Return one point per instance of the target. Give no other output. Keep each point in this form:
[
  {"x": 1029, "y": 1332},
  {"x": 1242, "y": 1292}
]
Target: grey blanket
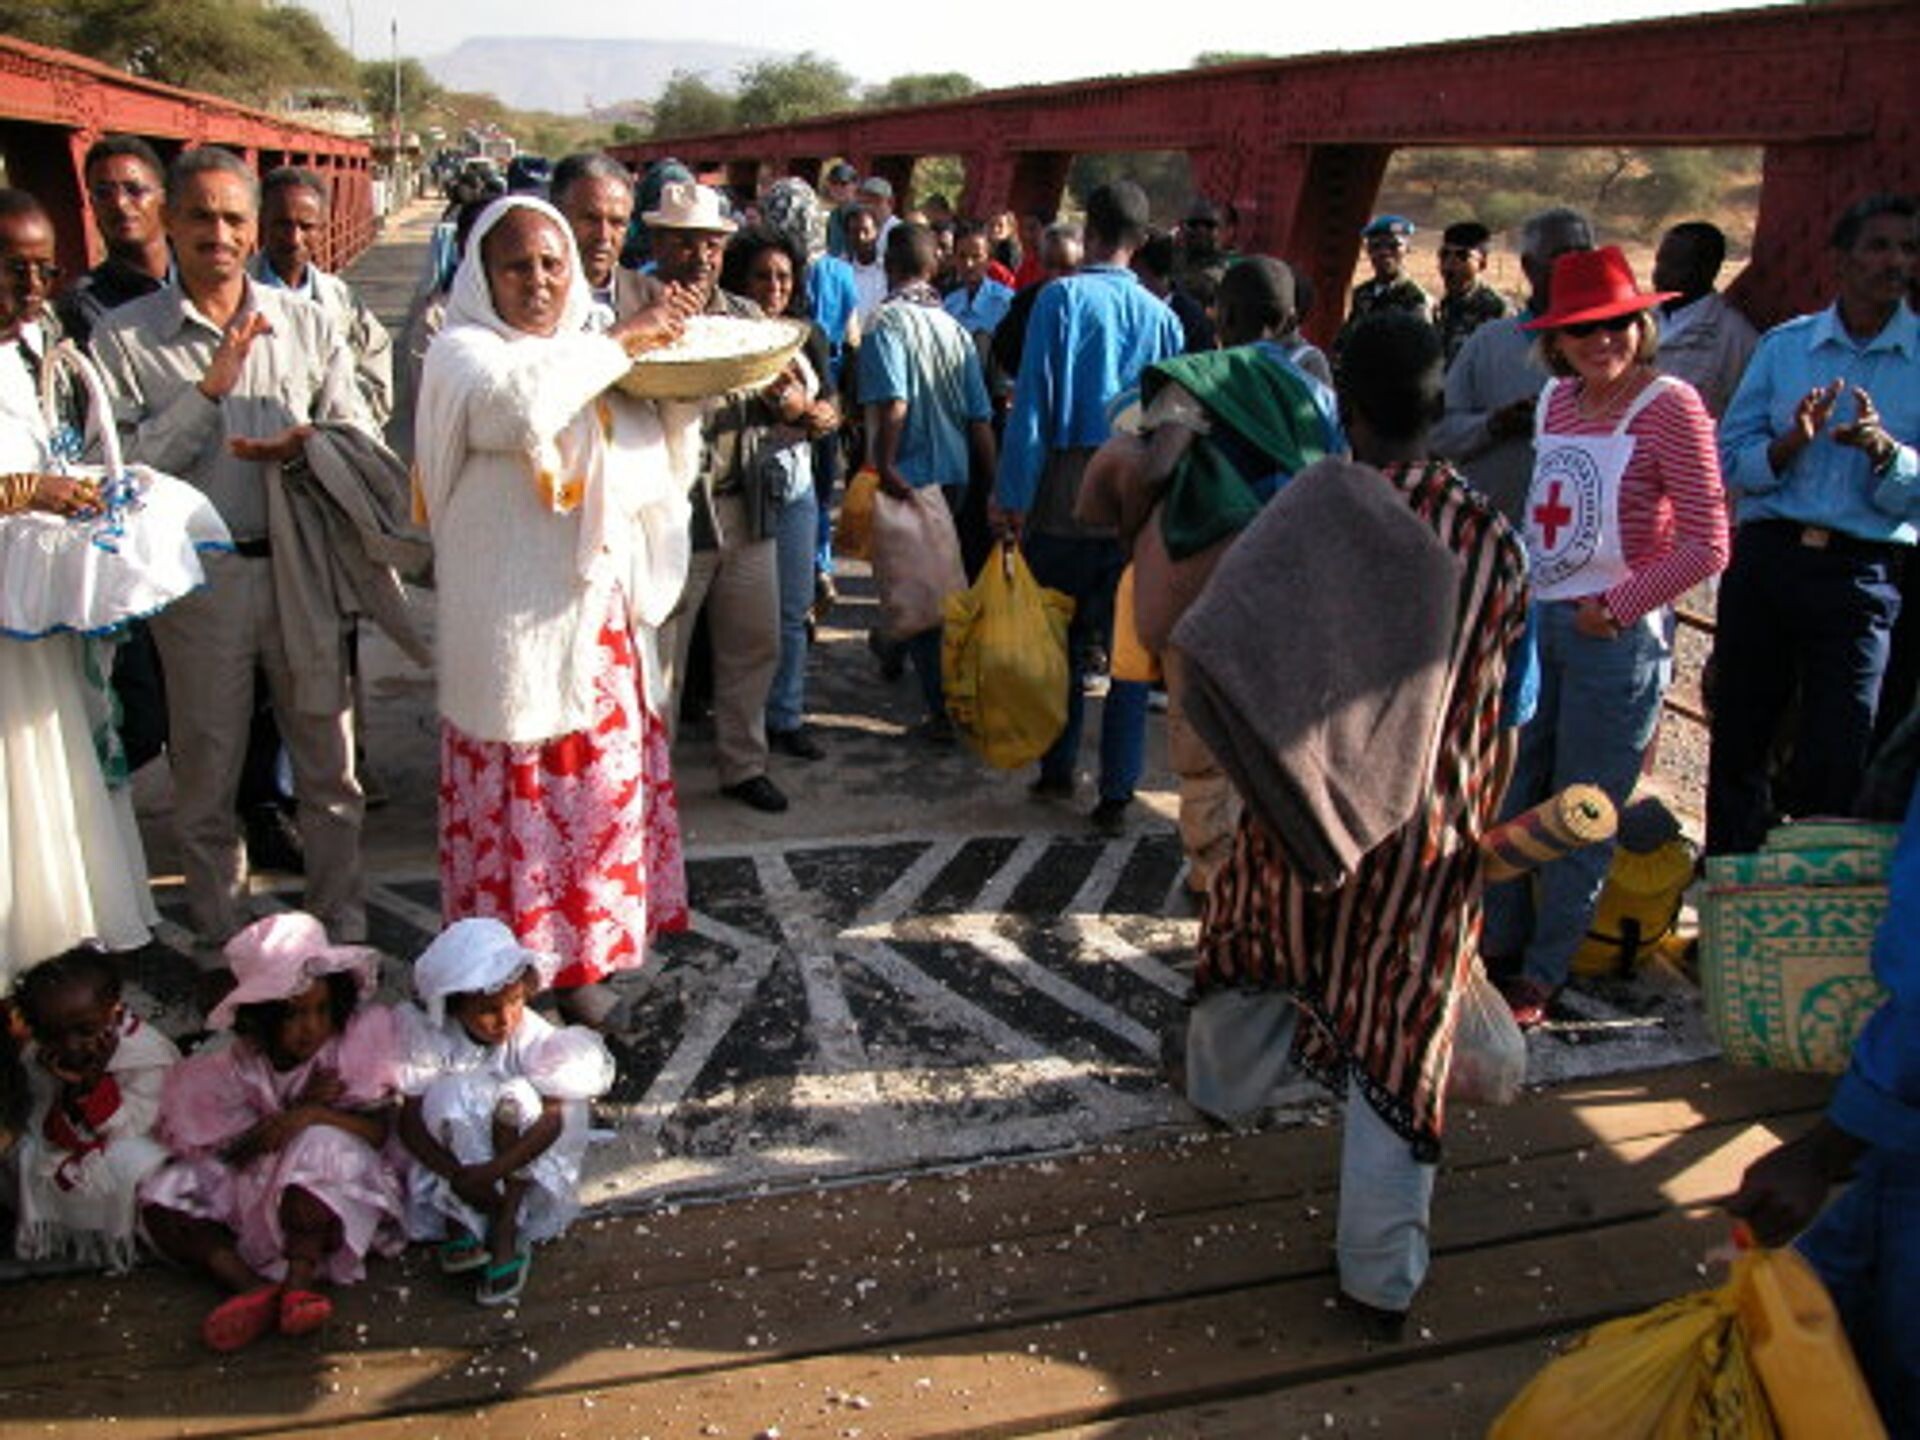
[
  {"x": 1318, "y": 659},
  {"x": 341, "y": 530}
]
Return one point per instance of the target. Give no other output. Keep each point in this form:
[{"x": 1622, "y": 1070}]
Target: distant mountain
[{"x": 567, "y": 76}]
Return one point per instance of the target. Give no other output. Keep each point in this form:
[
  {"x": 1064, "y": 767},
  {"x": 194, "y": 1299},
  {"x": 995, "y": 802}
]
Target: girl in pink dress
[{"x": 278, "y": 1184}]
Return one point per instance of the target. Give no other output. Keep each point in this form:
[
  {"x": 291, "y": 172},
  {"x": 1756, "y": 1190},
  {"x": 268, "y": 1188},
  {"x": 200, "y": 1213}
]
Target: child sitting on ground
[
  {"x": 496, "y": 1107},
  {"x": 94, "y": 1072},
  {"x": 279, "y": 1184}
]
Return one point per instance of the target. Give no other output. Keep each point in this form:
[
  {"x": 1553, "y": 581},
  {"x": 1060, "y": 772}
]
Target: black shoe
[
  {"x": 1047, "y": 788},
  {"x": 797, "y": 742},
  {"x": 759, "y": 792},
  {"x": 273, "y": 843},
  {"x": 1109, "y": 817}
]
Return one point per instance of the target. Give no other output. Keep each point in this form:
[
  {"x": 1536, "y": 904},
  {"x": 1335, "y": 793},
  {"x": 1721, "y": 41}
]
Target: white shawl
[{"x": 520, "y": 446}]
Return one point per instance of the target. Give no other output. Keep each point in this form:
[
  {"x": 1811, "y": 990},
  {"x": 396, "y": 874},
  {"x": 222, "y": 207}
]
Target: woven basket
[
  {"x": 654, "y": 377},
  {"x": 1786, "y": 943}
]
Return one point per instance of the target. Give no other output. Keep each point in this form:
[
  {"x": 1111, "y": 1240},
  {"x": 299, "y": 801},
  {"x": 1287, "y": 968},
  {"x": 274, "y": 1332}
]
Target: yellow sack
[
  {"x": 1743, "y": 1362},
  {"x": 1131, "y": 659},
  {"x": 853, "y": 531},
  {"x": 1637, "y": 909},
  {"x": 1003, "y": 662}
]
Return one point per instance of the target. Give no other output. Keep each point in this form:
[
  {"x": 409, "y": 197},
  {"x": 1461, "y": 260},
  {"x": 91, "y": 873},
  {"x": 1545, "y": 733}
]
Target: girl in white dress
[{"x": 496, "y": 1110}]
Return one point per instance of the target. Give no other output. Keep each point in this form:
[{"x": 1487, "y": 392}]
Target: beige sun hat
[{"x": 685, "y": 205}]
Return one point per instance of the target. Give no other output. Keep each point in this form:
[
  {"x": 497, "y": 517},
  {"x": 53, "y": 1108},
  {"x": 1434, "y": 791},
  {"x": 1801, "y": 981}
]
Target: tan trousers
[
  {"x": 739, "y": 584},
  {"x": 1209, "y": 807},
  {"x": 210, "y": 643}
]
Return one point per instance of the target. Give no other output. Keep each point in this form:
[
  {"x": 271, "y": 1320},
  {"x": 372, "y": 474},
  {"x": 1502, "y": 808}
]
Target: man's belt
[
  {"x": 1825, "y": 537},
  {"x": 260, "y": 549}
]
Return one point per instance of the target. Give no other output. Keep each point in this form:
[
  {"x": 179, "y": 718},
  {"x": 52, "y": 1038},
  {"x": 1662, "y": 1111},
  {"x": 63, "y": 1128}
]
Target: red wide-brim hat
[{"x": 1594, "y": 285}]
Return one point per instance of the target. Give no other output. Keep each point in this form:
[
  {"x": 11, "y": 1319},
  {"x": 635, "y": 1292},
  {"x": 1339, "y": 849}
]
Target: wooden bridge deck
[{"x": 1176, "y": 1288}]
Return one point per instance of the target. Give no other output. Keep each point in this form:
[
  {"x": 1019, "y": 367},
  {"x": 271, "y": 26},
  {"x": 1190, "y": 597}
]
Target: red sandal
[
  {"x": 303, "y": 1311},
  {"x": 236, "y": 1323}
]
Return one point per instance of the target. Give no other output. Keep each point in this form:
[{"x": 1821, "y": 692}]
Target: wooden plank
[
  {"x": 614, "y": 1320},
  {"x": 1196, "y": 1172},
  {"x": 1021, "y": 1379},
  {"x": 1452, "y": 1398}
]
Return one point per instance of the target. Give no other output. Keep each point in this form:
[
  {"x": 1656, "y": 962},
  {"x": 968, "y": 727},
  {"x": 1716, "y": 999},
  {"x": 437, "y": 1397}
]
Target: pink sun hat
[{"x": 280, "y": 956}]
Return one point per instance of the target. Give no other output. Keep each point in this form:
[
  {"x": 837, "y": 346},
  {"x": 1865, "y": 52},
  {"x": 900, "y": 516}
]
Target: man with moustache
[
  {"x": 734, "y": 572},
  {"x": 125, "y": 182},
  {"x": 595, "y": 194},
  {"x": 219, "y": 380},
  {"x": 293, "y": 215}
]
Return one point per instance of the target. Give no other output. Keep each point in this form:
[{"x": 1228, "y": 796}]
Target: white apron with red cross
[{"x": 1573, "y": 506}]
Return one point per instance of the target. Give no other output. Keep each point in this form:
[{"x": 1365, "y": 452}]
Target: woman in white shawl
[{"x": 559, "y": 516}]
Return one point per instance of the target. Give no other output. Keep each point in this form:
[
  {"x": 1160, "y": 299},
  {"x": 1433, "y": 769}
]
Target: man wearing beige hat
[{"x": 734, "y": 572}]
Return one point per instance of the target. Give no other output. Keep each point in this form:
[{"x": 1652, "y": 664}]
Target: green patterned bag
[{"x": 1786, "y": 939}]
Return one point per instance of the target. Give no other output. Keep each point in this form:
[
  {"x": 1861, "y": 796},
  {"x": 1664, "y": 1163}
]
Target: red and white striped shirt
[{"x": 1673, "y": 506}]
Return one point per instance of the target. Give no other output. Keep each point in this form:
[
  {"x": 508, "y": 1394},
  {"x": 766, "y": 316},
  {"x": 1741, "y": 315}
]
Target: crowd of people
[{"x": 1396, "y": 591}]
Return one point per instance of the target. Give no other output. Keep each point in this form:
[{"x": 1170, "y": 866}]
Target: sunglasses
[
  {"x": 1613, "y": 323},
  {"x": 25, "y": 272},
  {"x": 104, "y": 191}
]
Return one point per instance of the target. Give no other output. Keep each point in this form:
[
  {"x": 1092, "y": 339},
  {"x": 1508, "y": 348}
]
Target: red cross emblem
[{"x": 1552, "y": 515}]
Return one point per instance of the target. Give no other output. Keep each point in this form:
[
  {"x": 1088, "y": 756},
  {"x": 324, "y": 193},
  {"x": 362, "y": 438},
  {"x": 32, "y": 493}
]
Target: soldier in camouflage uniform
[
  {"x": 1468, "y": 302},
  {"x": 1391, "y": 288}
]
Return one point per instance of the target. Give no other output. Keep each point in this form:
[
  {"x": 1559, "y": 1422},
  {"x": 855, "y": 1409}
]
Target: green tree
[
  {"x": 773, "y": 92},
  {"x": 1206, "y": 59},
  {"x": 315, "y": 59},
  {"x": 929, "y": 89},
  {"x": 245, "y": 50},
  {"x": 690, "y": 106},
  {"x": 418, "y": 90}
]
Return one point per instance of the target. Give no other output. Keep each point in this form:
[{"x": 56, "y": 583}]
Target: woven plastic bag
[
  {"x": 853, "y": 531},
  {"x": 1761, "y": 1357},
  {"x": 916, "y": 561},
  {"x": 1489, "y": 1052},
  {"x": 1003, "y": 662}
]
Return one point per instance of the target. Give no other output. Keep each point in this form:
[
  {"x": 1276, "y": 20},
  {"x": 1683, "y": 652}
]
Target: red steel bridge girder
[
  {"x": 1299, "y": 146},
  {"x": 54, "y": 105}
]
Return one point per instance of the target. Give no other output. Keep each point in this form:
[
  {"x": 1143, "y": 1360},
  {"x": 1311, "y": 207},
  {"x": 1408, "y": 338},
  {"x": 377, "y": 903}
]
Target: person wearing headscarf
[{"x": 560, "y": 526}]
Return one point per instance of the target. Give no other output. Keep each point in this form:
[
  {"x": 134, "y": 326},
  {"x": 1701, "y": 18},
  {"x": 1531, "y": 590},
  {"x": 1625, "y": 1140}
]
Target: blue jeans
[
  {"x": 1239, "y": 1049},
  {"x": 793, "y": 541},
  {"x": 1088, "y": 571},
  {"x": 924, "y": 651},
  {"x": 1821, "y": 616},
  {"x": 1599, "y": 702},
  {"x": 1866, "y": 1246}
]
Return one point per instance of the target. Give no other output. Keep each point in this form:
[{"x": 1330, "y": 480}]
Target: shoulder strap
[
  {"x": 1652, "y": 391},
  {"x": 1542, "y": 405}
]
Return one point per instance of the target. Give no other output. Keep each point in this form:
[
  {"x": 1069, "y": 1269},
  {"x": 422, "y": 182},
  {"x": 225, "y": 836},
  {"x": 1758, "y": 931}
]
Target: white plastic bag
[
  {"x": 916, "y": 561},
  {"x": 1489, "y": 1052}
]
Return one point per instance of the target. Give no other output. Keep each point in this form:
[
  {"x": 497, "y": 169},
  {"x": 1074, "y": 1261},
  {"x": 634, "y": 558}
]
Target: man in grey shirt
[
  {"x": 1494, "y": 382},
  {"x": 218, "y": 380}
]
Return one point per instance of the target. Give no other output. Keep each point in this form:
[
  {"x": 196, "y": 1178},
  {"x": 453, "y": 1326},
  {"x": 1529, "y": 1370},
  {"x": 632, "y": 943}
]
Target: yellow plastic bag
[
  {"x": 1693, "y": 1368},
  {"x": 1003, "y": 662},
  {"x": 1131, "y": 659},
  {"x": 853, "y": 531}
]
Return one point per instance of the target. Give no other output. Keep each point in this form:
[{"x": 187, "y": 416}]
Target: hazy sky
[{"x": 1049, "y": 42}]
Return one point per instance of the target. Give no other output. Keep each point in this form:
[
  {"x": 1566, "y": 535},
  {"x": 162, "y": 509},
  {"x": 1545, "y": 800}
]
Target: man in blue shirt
[
  {"x": 1088, "y": 338},
  {"x": 928, "y": 420},
  {"x": 1818, "y": 450},
  {"x": 1866, "y": 1245}
]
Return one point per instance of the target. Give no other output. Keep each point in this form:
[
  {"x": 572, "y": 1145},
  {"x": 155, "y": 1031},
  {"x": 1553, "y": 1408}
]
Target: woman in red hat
[{"x": 1625, "y": 514}]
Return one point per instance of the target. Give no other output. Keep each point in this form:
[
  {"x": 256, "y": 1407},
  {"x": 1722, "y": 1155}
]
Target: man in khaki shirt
[{"x": 218, "y": 381}]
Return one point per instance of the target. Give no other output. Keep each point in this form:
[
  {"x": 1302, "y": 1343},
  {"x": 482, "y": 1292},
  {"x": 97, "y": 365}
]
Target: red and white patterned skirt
[{"x": 573, "y": 842}]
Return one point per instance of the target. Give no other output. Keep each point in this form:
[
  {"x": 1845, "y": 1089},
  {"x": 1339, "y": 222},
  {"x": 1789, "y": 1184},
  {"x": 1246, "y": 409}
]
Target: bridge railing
[{"x": 54, "y": 105}]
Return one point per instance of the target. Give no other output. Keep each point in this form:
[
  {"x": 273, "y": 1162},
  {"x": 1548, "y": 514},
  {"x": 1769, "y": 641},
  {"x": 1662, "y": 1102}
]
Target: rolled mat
[{"x": 1579, "y": 815}]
